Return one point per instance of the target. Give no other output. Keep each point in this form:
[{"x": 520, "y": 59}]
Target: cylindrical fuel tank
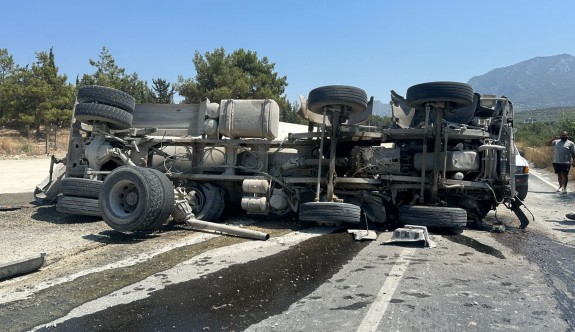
[
  {"x": 255, "y": 186},
  {"x": 257, "y": 118},
  {"x": 180, "y": 158},
  {"x": 254, "y": 204}
]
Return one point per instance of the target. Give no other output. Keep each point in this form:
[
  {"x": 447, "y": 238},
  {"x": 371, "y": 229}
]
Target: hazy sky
[{"x": 375, "y": 45}]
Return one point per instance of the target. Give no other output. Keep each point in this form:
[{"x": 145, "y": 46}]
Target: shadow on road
[{"x": 49, "y": 214}]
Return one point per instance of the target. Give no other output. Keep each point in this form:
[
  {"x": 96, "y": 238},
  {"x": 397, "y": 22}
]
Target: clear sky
[{"x": 376, "y": 45}]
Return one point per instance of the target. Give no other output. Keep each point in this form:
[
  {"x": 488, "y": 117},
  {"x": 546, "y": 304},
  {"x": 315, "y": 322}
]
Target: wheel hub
[
  {"x": 132, "y": 198},
  {"x": 128, "y": 197}
]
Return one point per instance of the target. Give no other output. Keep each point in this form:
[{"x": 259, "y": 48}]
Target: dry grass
[
  {"x": 13, "y": 144},
  {"x": 542, "y": 157}
]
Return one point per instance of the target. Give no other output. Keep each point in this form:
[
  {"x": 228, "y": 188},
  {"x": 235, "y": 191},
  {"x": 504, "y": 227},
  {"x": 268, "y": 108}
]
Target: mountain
[
  {"x": 541, "y": 82},
  {"x": 381, "y": 109}
]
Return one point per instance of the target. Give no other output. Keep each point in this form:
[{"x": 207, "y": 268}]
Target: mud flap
[
  {"x": 516, "y": 205},
  {"x": 47, "y": 191}
]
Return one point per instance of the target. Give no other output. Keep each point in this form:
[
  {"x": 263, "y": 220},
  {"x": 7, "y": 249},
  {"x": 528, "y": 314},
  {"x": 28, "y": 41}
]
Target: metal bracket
[{"x": 412, "y": 233}]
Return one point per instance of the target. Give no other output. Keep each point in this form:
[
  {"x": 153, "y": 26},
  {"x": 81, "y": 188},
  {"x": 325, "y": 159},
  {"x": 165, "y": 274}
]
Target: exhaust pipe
[
  {"x": 183, "y": 212},
  {"x": 233, "y": 230}
]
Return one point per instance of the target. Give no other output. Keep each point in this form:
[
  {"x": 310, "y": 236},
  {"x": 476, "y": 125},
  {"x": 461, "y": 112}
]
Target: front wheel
[{"x": 136, "y": 199}]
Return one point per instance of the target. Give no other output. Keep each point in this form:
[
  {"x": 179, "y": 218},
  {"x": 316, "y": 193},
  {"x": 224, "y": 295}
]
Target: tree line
[{"x": 37, "y": 95}]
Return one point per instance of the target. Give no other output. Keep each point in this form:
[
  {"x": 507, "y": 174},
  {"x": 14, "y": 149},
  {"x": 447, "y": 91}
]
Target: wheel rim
[
  {"x": 197, "y": 201},
  {"x": 124, "y": 198}
]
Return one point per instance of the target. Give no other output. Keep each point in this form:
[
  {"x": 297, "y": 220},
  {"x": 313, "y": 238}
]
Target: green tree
[
  {"x": 378, "y": 121},
  {"x": 7, "y": 69},
  {"x": 109, "y": 74},
  {"x": 566, "y": 123},
  {"x": 7, "y": 65},
  {"x": 239, "y": 75},
  {"x": 38, "y": 95},
  {"x": 535, "y": 134},
  {"x": 162, "y": 92},
  {"x": 290, "y": 114}
]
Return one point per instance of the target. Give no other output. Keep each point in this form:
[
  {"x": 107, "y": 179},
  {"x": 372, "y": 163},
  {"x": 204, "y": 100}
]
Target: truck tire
[
  {"x": 115, "y": 117},
  {"x": 80, "y": 187},
  {"x": 168, "y": 188},
  {"x": 135, "y": 199},
  {"x": 353, "y": 97},
  {"x": 457, "y": 94},
  {"x": 78, "y": 205},
  {"x": 433, "y": 216},
  {"x": 330, "y": 212},
  {"x": 522, "y": 191},
  {"x": 208, "y": 202},
  {"x": 106, "y": 96}
]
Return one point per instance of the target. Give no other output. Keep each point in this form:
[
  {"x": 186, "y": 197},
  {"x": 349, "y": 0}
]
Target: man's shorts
[{"x": 561, "y": 168}]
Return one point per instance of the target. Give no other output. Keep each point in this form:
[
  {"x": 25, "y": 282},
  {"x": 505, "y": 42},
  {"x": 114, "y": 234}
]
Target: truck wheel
[
  {"x": 432, "y": 216},
  {"x": 135, "y": 199},
  {"x": 457, "y": 94},
  {"x": 353, "y": 97},
  {"x": 208, "y": 202},
  {"x": 80, "y": 187},
  {"x": 115, "y": 117},
  {"x": 329, "y": 212},
  {"x": 78, "y": 205},
  {"x": 522, "y": 191},
  {"x": 168, "y": 189},
  {"x": 107, "y": 96}
]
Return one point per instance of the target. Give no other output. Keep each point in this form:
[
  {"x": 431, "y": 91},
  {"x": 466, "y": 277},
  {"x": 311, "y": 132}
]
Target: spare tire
[
  {"x": 107, "y": 96},
  {"x": 353, "y": 97},
  {"x": 457, "y": 94}
]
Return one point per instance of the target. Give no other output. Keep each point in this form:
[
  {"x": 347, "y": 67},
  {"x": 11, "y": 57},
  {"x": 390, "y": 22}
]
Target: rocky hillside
[{"x": 540, "y": 82}]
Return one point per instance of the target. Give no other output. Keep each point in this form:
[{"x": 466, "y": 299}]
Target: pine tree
[{"x": 162, "y": 92}]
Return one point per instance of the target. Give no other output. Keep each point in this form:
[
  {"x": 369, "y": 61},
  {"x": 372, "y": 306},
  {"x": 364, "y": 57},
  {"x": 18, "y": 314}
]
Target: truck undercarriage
[{"x": 446, "y": 161}]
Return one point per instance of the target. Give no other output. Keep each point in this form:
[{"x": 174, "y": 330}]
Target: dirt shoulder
[{"x": 22, "y": 175}]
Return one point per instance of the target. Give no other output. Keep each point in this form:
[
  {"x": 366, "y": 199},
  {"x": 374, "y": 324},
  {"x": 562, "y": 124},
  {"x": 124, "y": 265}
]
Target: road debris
[
  {"x": 412, "y": 233},
  {"x": 15, "y": 207},
  {"x": 22, "y": 266}
]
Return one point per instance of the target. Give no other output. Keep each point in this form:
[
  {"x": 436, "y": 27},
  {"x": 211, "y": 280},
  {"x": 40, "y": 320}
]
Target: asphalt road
[{"x": 302, "y": 279}]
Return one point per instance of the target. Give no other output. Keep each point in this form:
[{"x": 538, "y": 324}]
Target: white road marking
[
  {"x": 540, "y": 177},
  {"x": 379, "y": 305}
]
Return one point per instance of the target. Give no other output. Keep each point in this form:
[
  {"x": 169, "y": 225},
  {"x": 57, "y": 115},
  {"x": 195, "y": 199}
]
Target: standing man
[{"x": 564, "y": 154}]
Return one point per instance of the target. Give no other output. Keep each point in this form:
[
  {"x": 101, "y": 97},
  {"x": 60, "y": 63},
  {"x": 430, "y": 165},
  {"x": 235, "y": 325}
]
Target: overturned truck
[{"x": 446, "y": 161}]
